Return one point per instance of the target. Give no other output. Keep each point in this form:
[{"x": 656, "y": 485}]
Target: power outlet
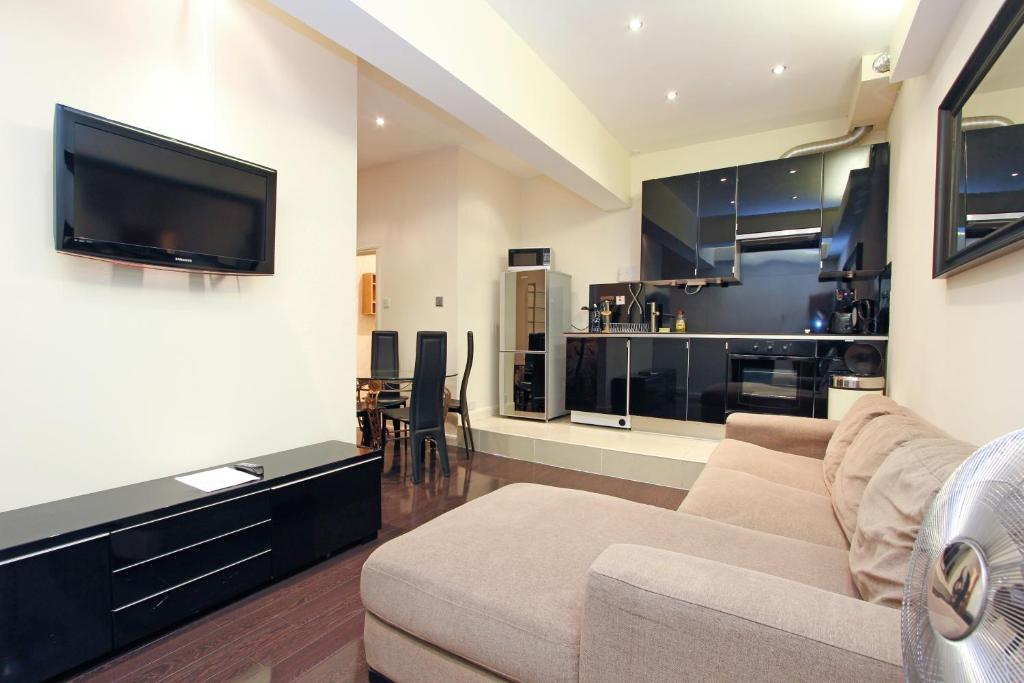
[
  {"x": 385, "y": 302},
  {"x": 620, "y": 300}
]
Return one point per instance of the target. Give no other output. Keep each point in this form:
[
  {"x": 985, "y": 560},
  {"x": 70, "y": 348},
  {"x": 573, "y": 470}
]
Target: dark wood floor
[{"x": 309, "y": 627}]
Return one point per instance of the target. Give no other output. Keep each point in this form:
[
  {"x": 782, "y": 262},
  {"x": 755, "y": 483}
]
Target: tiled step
[{"x": 664, "y": 459}]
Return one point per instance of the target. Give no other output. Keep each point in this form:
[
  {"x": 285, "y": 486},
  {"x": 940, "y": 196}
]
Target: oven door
[{"x": 776, "y": 385}]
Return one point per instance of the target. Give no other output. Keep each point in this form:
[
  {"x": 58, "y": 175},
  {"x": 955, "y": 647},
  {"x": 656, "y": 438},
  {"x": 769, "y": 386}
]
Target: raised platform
[{"x": 666, "y": 459}]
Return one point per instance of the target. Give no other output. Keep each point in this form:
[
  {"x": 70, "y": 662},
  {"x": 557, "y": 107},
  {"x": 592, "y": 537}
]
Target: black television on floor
[{"x": 135, "y": 197}]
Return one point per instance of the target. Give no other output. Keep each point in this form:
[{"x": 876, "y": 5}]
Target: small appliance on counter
[
  {"x": 847, "y": 371},
  {"x": 844, "y": 316}
]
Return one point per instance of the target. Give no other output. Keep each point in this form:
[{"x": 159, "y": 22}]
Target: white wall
[
  {"x": 948, "y": 358},
  {"x": 489, "y": 201},
  {"x": 442, "y": 224},
  {"x": 115, "y": 375}
]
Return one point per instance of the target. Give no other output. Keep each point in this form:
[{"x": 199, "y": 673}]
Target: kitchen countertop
[{"x": 688, "y": 335}]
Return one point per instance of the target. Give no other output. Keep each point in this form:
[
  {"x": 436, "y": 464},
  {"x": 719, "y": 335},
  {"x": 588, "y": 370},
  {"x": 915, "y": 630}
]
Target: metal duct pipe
[
  {"x": 976, "y": 122},
  {"x": 850, "y": 138}
]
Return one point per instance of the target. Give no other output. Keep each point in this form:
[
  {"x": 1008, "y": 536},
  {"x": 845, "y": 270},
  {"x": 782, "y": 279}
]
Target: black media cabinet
[{"x": 83, "y": 577}]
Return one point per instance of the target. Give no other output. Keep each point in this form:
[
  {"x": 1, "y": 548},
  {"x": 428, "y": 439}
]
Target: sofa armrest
[
  {"x": 800, "y": 435},
  {"x": 656, "y": 615}
]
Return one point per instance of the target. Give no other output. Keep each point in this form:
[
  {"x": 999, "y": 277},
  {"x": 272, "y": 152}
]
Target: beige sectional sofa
[{"x": 784, "y": 562}]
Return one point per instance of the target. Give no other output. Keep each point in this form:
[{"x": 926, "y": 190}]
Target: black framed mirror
[{"x": 979, "y": 207}]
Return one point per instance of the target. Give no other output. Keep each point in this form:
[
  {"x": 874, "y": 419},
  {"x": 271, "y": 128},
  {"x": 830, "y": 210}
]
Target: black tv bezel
[{"x": 65, "y": 118}]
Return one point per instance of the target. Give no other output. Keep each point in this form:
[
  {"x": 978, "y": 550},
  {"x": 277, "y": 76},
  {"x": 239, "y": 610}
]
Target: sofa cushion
[
  {"x": 879, "y": 437},
  {"x": 500, "y": 580},
  {"x": 894, "y": 504},
  {"x": 798, "y": 471},
  {"x": 860, "y": 413},
  {"x": 753, "y": 503}
]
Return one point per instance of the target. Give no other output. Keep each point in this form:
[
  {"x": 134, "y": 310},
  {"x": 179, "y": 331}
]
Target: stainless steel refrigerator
[{"x": 534, "y": 315}]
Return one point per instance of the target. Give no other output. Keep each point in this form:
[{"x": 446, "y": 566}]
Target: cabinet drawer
[
  {"x": 135, "y": 582},
  {"x": 151, "y": 539},
  {"x": 166, "y": 609}
]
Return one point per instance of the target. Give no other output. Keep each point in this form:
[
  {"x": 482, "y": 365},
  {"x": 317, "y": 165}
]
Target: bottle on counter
[{"x": 680, "y": 326}]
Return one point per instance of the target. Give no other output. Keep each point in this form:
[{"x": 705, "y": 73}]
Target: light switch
[
  {"x": 439, "y": 301},
  {"x": 385, "y": 302}
]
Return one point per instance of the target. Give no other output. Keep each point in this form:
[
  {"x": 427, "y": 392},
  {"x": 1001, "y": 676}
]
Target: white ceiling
[
  {"x": 716, "y": 53},
  {"x": 413, "y": 125}
]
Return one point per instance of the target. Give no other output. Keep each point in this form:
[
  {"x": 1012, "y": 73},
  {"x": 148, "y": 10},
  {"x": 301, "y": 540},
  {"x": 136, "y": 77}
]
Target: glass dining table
[{"x": 368, "y": 389}]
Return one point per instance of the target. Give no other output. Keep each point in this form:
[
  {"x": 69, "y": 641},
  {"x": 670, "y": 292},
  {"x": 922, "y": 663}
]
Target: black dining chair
[
  {"x": 460, "y": 405},
  {"x": 383, "y": 362},
  {"x": 426, "y": 411}
]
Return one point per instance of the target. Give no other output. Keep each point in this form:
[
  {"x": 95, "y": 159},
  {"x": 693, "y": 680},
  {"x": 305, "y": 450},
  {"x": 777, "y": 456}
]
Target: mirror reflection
[{"x": 992, "y": 172}]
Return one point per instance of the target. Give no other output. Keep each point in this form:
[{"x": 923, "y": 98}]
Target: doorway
[{"x": 366, "y": 306}]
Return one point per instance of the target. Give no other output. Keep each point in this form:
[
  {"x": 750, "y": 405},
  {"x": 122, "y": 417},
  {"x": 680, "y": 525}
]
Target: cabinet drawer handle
[
  {"x": 186, "y": 512},
  {"x": 50, "y": 550},
  {"x": 193, "y": 545}
]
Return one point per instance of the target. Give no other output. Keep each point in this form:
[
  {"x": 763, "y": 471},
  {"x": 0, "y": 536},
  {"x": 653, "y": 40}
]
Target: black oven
[{"x": 773, "y": 376}]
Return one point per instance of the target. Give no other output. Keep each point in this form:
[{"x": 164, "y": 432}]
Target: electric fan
[{"x": 963, "y": 603}]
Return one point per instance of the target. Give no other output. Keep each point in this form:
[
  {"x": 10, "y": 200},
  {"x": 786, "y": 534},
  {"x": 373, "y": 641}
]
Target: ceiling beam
[
  {"x": 470, "y": 63},
  {"x": 920, "y": 30}
]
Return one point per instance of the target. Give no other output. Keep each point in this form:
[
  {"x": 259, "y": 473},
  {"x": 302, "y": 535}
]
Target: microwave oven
[{"x": 529, "y": 259}]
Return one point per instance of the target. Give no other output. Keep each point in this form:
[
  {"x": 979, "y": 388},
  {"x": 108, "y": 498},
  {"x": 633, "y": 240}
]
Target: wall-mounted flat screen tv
[{"x": 131, "y": 196}]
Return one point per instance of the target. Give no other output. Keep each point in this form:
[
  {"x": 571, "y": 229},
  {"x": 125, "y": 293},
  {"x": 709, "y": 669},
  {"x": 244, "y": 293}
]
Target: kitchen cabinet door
[
  {"x": 658, "y": 377},
  {"x": 716, "y": 241},
  {"x": 668, "y": 233},
  {"x": 707, "y": 380},
  {"x": 855, "y": 212},
  {"x": 994, "y": 183},
  {"x": 784, "y": 194},
  {"x": 595, "y": 374}
]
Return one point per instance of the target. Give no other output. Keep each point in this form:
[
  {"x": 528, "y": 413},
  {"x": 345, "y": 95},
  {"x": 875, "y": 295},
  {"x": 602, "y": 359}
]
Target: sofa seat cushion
[
  {"x": 880, "y": 437},
  {"x": 891, "y": 511},
  {"x": 500, "y": 581},
  {"x": 744, "y": 500},
  {"x": 798, "y": 471},
  {"x": 860, "y": 413}
]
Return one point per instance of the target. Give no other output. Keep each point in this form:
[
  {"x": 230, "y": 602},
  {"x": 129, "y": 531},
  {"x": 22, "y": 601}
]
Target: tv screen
[{"x": 128, "y": 195}]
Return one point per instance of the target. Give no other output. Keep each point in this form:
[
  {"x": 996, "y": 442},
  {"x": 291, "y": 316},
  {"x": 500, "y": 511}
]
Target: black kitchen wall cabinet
[
  {"x": 668, "y": 247},
  {"x": 855, "y": 212},
  {"x": 779, "y": 196},
  {"x": 716, "y": 252}
]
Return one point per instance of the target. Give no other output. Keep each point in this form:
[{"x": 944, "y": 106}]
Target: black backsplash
[{"x": 780, "y": 294}]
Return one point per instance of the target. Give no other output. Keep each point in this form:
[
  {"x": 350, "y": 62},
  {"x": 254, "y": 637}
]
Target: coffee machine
[{"x": 844, "y": 313}]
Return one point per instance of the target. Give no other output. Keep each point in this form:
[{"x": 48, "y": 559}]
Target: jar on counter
[{"x": 680, "y": 325}]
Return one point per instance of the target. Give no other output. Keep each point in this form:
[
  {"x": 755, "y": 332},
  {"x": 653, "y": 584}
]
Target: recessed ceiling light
[
  {"x": 1014, "y": 174},
  {"x": 380, "y": 121},
  {"x": 635, "y": 24},
  {"x": 795, "y": 196},
  {"x": 792, "y": 171},
  {"x": 779, "y": 69},
  {"x": 722, "y": 180},
  {"x": 671, "y": 95}
]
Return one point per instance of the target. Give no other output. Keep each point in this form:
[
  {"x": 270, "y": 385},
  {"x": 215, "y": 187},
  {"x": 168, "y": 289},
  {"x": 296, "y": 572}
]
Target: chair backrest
[
  {"x": 465, "y": 373},
  {"x": 426, "y": 405},
  {"x": 384, "y": 353}
]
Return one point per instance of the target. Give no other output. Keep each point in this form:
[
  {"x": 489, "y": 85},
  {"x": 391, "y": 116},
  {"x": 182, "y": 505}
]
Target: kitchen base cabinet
[
  {"x": 706, "y": 389},
  {"x": 595, "y": 375},
  {"x": 54, "y": 610},
  {"x": 658, "y": 372}
]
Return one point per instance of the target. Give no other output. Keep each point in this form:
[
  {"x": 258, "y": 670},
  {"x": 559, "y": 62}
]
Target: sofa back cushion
[
  {"x": 894, "y": 504},
  {"x": 873, "y": 443},
  {"x": 860, "y": 413}
]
